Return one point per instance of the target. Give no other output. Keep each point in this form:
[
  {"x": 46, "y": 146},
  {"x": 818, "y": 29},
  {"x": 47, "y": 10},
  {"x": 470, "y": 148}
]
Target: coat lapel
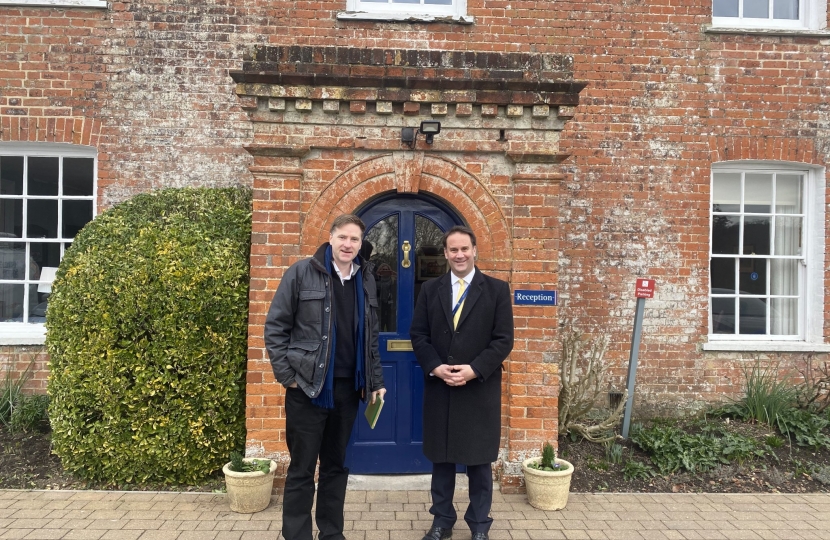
[{"x": 445, "y": 293}]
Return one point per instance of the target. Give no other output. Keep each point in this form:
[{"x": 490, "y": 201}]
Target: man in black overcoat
[{"x": 462, "y": 331}]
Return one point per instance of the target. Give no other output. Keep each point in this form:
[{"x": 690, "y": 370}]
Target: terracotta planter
[
  {"x": 249, "y": 492},
  {"x": 547, "y": 490}
]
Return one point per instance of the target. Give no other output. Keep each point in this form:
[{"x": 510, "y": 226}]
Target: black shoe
[
  {"x": 481, "y": 536},
  {"x": 438, "y": 533}
]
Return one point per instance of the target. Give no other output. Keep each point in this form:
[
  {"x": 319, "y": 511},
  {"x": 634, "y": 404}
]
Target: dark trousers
[
  {"x": 310, "y": 432},
  {"x": 481, "y": 496}
]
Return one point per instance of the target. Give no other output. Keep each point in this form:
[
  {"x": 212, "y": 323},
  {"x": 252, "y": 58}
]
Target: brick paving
[{"x": 403, "y": 515}]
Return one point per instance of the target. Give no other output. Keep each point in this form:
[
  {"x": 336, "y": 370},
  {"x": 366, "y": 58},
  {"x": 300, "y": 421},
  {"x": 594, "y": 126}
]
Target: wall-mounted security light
[
  {"x": 430, "y": 128},
  {"x": 408, "y": 136}
]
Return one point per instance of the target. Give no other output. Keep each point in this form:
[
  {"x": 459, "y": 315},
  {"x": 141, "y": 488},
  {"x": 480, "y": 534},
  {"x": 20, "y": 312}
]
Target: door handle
[
  {"x": 406, "y": 249},
  {"x": 399, "y": 345}
]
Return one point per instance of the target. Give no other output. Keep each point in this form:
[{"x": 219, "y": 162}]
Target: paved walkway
[{"x": 403, "y": 515}]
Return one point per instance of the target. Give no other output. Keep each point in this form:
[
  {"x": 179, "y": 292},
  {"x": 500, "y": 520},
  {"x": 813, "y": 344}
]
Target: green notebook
[{"x": 373, "y": 411}]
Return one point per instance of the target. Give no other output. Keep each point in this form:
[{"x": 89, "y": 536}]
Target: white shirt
[
  {"x": 344, "y": 279},
  {"x": 455, "y": 284}
]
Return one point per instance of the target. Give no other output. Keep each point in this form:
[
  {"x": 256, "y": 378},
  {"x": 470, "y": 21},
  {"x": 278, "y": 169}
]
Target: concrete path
[{"x": 403, "y": 515}]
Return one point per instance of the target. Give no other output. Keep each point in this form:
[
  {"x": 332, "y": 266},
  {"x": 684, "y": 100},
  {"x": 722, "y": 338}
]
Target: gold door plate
[{"x": 399, "y": 345}]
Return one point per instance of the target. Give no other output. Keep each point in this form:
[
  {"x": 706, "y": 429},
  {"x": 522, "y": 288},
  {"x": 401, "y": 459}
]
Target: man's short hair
[
  {"x": 347, "y": 219},
  {"x": 459, "y": 229}
]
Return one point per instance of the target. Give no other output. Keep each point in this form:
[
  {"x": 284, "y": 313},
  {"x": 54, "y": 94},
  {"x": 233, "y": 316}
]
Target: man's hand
[
  {"x": 443, "y": 372},
  {"x": 455, "y": 375},
  {"x": 293, "y": 385},
  {"x": 461, "y": 374},
  {"x": 378, "y": 393}
]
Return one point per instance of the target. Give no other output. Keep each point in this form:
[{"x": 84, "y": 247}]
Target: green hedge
[{"x": 147, "y": 337}]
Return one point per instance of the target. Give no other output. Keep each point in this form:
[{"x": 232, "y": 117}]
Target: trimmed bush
[{"x": 147, "y": 337}]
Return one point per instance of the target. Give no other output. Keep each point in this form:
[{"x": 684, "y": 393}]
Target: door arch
[{"x": 405, "y": 231}]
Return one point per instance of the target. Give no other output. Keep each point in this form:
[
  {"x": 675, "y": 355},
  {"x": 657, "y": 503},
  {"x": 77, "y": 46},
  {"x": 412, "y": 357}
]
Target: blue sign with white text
[{"x": 535, "y": 298}]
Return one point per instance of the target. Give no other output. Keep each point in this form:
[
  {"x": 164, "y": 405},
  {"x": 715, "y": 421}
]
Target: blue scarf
[{"x": 325, "y": 398}]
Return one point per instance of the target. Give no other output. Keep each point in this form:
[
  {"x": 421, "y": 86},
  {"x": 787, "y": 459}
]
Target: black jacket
[{"x": 299, "y": 326}]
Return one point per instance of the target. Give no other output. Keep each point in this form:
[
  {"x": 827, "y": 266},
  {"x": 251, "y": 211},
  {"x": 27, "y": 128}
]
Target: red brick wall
[
  {"x": 29, "y": 361},
  {"x": 665, "y": 101},
  {"x": 147, "y": 84}
]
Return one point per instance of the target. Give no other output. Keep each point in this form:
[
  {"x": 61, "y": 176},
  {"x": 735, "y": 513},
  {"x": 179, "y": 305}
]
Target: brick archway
[
  {"x": 733, "y": 148},
  {"x": 414, "y": 172}
]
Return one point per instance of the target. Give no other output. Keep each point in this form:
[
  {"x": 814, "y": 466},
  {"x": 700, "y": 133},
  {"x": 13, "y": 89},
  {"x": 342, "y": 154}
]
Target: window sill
[
  {"x": 766, "y": 346},
  {"x": 402, "y": 17},
  {"x": 56, "y": 3},
  {"x": 768, "y": 31},
  {"x": 22, "y": 334}
]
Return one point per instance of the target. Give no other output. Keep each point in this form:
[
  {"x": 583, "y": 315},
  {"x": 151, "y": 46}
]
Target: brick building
[{"x": 587, "y": 144}]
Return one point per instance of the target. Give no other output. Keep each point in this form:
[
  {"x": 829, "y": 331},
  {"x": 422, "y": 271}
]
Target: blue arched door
[{"x": 406, "y": 234}]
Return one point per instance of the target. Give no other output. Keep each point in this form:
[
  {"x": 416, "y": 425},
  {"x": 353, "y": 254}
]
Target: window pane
[
  {"x": 11, "y": 218},
  {"x": 11, "y": 175},
  {"x": 752, "y": 316},
  {"x": 42, "y": 219},
  {"x": 725, "y": 231},
  {"x": 77, "y": 176},
  {"x": 785, "y": 9},
  {"x": 723, "y": 315},
  {"x": 76, "y": 214},
  {"x": 43, "y": 176},
  {"x": 757, "y": 235},
  {"x": 752, "y": 276},
  {"x": 726, "y": 192},
  {"x": 788, "y": 194},
  {"x": 725, "y": 8},
  {"x": 784, "y": 316},
  {"x": 37, "y": 304},
  {"x": 441, "y": 2},
  {"x": 758, "y": 193},
  {"x": 787, "y": 235},
  {"x": 756, "y": 9},
  {"x": 784, "y": 277},
  {"x": 12, "y": 260},
  {"x": 44, "y": 254},
  {"x": 722, "y": 275},
  {"x": 384, "y": 239},
  {"x": 11, "y": 302}
]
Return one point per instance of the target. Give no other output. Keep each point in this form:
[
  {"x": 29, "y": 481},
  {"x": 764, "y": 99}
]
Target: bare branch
[{"x": 582, "y": 373}]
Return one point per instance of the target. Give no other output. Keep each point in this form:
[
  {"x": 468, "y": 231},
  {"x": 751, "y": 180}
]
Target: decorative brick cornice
[{"x": 407, "y": 75}]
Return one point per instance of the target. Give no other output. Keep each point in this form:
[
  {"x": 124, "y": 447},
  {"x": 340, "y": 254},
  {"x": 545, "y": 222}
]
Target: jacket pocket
[
  {"x": 302, "y": 357},
  {"x": 310, "y": 307}
]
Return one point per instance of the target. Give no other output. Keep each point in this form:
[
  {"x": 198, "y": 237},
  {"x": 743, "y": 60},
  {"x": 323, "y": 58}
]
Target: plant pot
[
  {"x": 547, "y": 490},
  {"x": 249, "y": 492}
]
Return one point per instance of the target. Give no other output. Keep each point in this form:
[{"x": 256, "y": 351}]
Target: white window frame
[
  {"x": 26, "y": 333},
  {"x": 811, "y": 274},
  {"x": 389, "y": 11},
  {"x": 56, "y": 3},
  {"x": 812, "y": 16}
]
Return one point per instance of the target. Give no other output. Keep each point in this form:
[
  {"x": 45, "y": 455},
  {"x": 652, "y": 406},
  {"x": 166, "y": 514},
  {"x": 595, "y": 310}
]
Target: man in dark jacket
[
  {"x": 462, "y": 331},
  {"x": 322, "y": 338}
]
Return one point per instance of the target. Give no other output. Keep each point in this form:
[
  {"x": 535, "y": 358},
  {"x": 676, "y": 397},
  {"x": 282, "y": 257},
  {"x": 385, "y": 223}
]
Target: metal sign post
[{"x": 644, "y": 289}]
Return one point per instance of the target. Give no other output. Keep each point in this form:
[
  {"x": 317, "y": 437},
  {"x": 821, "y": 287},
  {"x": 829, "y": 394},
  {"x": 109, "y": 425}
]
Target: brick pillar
[
  {"x": 275, "y": 245},
  {"x": 533, "y": 386}
]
